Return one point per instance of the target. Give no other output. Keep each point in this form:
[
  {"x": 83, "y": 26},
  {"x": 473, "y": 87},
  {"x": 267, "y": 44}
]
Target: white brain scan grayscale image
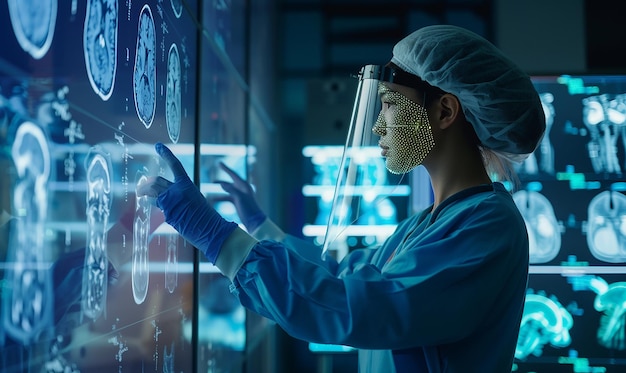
[
  {"x": 99, "y": 197},
  {"x": 141, "y": 232},
  {"x": 100, "y": 45},
  {"x": 33, "y": 23},
  {"x": 544, "y": 232},
  {"x": 173, "y": 94},
  {"x": 606, "y": 227},
  {"x": 27, "y": 303},
  {"x": 144, "y": 74}
]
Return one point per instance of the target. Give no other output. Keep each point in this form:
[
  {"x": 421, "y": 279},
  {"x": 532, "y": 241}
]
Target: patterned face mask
[{"x": 404, "y": 129}]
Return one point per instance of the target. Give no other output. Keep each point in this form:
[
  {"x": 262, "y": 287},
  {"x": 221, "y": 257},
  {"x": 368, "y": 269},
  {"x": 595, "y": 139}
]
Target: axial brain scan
[
  {"x": 172, "y": 94},
  {"x": 144, "y": 75},
  {"x": 33, "y": 24},
  {"x": 100, "y": 45}
]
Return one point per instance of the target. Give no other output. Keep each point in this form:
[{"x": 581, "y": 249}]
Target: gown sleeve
[{"x": 437, "y": 288}]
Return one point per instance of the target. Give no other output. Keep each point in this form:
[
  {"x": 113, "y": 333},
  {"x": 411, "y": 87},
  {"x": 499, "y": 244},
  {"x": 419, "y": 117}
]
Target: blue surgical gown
[{"x": 444, "y": 293}]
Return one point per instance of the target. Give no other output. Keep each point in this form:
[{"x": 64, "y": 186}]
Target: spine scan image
[
  {"x": 545, "y": 150},
  {"x": 605, "y": 118},
  {"x": 95, "y": 272}
]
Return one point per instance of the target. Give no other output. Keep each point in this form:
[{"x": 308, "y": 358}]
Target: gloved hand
[
  {"x": 186, "y": 209},
  {"x": 241, "y": 194}
]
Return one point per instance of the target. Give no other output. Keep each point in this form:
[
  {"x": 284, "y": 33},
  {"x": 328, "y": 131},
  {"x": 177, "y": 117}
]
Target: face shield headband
[{"x": 363, "y": 187}]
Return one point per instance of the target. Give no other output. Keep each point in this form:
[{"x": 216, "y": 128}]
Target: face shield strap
[{"x": 393, "y": 74}]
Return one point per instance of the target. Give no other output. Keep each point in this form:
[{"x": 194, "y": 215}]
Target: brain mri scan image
[
  {"x": 100, "y": 45},
  {"x": 33, "y": 23},
  {"x": 144, "y": 75},
  {"x": 27, "y": 302},
  {"x": 172, "y": 95},
  {"x": 95, "y": 272}
]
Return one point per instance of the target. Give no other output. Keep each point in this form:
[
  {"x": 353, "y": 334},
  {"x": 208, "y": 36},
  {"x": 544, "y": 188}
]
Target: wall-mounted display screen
[
  {"x": 573, "y": 199},
  {"x": 92, "y": 278}
]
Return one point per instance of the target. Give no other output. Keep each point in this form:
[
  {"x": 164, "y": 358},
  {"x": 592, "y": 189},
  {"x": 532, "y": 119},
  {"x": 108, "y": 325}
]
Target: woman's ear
[{"x": 449, "y": 110}]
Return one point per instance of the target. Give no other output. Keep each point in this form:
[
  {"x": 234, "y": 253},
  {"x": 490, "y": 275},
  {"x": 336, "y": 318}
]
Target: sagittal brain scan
[
  {"x": 144, "y": 75},
  {"x": 33, "y": 24},
  {"x": 544, "y": 322},
  {"x": 27, "y": 306},
  {"x": 100, "y": 45},
  {"x": 98, "y": 166},
  {"x": 172, "y": 94}
]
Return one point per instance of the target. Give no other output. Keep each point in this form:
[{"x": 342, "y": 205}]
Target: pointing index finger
[
  {"x": 236, "y": 178},
  {"x": 169, "y": 157}
]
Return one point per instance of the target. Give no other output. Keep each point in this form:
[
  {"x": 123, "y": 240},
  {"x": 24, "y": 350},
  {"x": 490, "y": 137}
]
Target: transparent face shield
[{"x": 362, "y": 206}]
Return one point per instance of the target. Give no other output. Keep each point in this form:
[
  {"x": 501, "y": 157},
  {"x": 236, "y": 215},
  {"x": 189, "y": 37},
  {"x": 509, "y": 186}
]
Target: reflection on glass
[
  {"x": 27, "y": 298},
  {"x": 95, "y": 273}
]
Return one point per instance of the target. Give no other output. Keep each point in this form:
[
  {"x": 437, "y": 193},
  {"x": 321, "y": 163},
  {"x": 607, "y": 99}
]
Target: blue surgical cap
[{"x": 497, "y": 97}]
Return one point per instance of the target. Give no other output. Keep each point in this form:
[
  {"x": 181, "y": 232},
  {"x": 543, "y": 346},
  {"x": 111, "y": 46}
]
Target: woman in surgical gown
[{"x": 445, "y": 291}]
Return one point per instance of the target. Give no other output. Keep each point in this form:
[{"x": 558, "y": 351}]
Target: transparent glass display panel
[
  {"x": 223, "y": 96},
  {"x": 93, "y": 280}
]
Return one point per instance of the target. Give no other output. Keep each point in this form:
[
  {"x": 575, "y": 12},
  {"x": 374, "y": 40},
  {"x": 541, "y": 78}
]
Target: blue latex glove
[
  {"x": 241, "y": 194},
  {"x": 186, "y": 209}
]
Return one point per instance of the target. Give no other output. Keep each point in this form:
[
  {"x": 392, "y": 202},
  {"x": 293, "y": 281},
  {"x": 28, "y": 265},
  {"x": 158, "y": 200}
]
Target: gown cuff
[
  {"x": 234, "y": 252},
  {"x": 268, "y": 230}
]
